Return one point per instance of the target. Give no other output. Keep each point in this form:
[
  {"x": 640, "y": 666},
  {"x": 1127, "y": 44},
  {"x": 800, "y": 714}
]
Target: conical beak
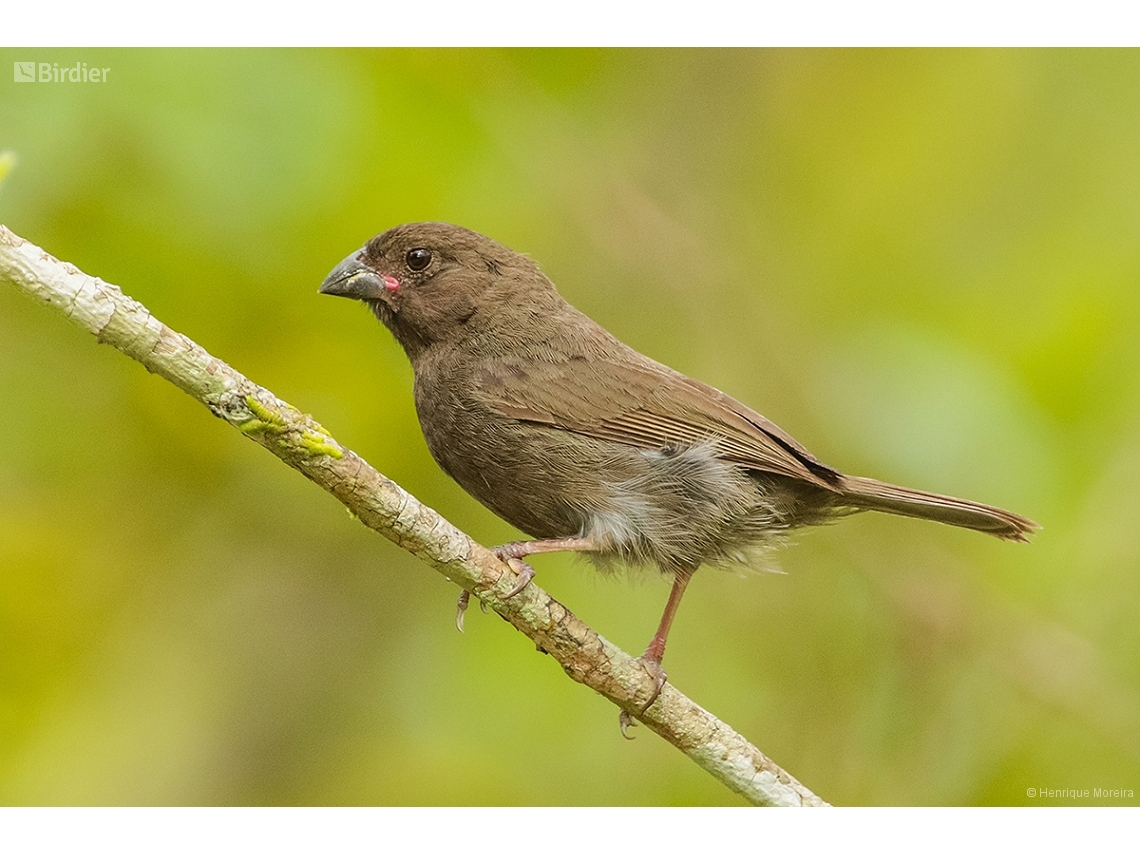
[{"x": 353, "y": 278}]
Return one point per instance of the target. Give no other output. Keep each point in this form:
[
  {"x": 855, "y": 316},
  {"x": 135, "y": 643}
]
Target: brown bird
[{"x": 584, "y": 443}]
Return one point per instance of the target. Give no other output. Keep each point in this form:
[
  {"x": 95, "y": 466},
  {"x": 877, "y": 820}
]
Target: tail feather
[{"x": 872, "y": 495}]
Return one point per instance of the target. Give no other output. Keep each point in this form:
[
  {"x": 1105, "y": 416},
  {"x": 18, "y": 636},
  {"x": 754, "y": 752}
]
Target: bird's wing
[{"x": 644, "y": 405}]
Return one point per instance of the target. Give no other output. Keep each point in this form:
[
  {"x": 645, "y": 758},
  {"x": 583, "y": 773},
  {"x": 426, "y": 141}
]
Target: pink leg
[
  {"x": 514, "y": 552},
  {"x": 523, "y": 548},
  {"x": 655, "y": 652}
]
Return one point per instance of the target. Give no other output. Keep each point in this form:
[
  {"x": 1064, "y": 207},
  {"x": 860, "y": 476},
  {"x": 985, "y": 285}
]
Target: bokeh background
[{"x": 923, "y": 264}]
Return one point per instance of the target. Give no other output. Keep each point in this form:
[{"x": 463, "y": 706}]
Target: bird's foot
[
  {"x": 506, "y": 553},
  {"x": 657, "y": 673},
  {"x": 653, "y": 668},
  {"x": 517, "y": 549},
  {"x": 509, "y": 554},
  {"x": 513, "y": 553}
]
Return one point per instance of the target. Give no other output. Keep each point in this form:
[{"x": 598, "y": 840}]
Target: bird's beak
[{"x": 353, "y": 278}]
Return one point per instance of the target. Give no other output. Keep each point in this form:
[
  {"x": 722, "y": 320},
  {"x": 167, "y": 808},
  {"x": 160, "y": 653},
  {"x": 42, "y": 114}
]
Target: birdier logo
[{"x": 53, "y": 72}]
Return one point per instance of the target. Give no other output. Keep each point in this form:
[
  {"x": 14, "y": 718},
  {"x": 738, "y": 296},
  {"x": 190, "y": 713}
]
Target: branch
[{"x": 382, "y": 505}]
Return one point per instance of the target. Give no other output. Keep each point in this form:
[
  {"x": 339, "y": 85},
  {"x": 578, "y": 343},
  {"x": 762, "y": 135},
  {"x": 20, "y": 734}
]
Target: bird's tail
[{"x": 872, "y": 495}]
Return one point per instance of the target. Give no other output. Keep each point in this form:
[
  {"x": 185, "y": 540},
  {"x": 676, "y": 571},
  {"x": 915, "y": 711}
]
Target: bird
[{"x": 587, "y": 445}]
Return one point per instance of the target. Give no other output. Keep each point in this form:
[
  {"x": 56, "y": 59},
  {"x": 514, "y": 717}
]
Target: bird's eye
[{"x": 418, "y": 259}]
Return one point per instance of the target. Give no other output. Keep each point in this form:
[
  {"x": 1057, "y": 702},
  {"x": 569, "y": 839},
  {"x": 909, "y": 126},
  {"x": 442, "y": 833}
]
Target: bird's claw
[
  {"x": 657, "y": 673},
  {"x": 525, "y": 574},
  {"x": 625, "y": 722},
  {"x": 461, "y": 607}
]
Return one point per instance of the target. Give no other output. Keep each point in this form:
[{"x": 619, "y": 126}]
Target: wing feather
[{"x": 645, "y": 405}]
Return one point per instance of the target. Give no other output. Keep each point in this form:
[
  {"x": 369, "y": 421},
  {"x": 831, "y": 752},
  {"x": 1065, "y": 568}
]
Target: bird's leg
[
  {"x": 513, "y": 553},
  {"x": 655, "y": 652}
]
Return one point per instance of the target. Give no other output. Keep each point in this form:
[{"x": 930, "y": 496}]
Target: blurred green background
[{"x": 923, "y": 264}]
